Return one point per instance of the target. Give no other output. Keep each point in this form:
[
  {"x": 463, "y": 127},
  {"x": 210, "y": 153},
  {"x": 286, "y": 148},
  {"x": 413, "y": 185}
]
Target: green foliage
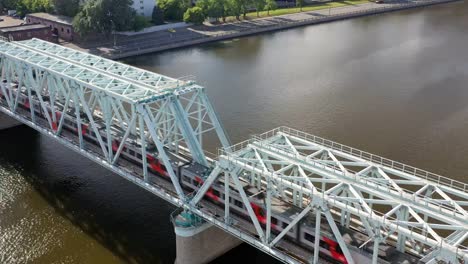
[
  {"x": 140, "y": 23},
  {"x": 270, "y": 5},
  {"x": 235, "y": 8},
  {"x": 204, "y": 5},
  {"x": 260, "y": 5},
  {"x": 9, "y": 4},
  {"x": 88, "y": 20},
  {"x": 194, "y": 15},
  {"x": 173, "y": 9},
  {"x": 216, "y": 9},
  {"x": 67, "y": 7},
  {"x": 300, "y": 3},
  {"x": 104, "y": 16},
  {"x": 157, "y": 16},
  {"x": 245, "y": 4},
  {"x": 24, "y": 7}
]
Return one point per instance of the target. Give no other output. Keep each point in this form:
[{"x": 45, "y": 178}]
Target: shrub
[{"x": 194, "y": 15}]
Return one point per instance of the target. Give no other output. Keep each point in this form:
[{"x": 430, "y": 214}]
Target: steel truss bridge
[{"x": 413, "y": 210}]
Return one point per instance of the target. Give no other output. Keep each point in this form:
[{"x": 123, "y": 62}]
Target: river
[{"x": 392, "y": 84}]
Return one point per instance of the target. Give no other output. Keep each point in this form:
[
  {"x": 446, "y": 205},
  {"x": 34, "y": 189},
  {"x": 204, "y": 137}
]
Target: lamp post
[{"x": 112, "y": 29}]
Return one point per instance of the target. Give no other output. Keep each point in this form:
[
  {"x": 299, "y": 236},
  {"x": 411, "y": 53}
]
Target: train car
[{"x": 191, "y": 174}]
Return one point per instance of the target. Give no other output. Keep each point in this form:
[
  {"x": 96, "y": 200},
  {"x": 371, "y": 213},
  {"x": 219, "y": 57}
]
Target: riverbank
[{"x": 127, "y": 46}]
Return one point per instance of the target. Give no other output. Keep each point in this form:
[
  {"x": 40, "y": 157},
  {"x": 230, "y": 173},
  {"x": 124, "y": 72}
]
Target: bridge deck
[
  {"x": 412, "y": 209},
  {"x": 285, "y": 192}
]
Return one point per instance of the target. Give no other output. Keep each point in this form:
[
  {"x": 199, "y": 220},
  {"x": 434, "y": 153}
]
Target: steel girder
[
  {"x": 159, "y": 117},
  {"x": 176, "y": 116},
  {"x": 411, "y": 209},
  {"x": 156, "y": 82},
  {"x": 395, "y": 203}
]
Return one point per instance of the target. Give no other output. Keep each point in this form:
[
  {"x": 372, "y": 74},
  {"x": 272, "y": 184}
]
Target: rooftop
[
  {"x": 10, "y": 21},
  {"x": 22, "y": 27},
  {"x": 56, "y": 18}
]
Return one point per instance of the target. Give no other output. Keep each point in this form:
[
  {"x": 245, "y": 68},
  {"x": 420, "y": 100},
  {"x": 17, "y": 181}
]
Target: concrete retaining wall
[{"x": 331, "y": 18}]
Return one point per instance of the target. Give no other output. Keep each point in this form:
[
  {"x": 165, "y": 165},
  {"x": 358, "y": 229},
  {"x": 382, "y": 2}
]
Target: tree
[
  {"x": 87, "y": 20},
  {"x": 259, "y": 6},
  {"x": 245, "y": 5},
  {"x": 300, "y": 4},
  {"x": 140, "y": 23},
  {"x": 157, "y": 16},
  {"x": 215, "y": 9},
  {"x": 234, "y": 8},
  {"x": 104, "y": 16},
  {"x": 67, "y": 7},
  {"x": 194, "y": 15},
  {"x": 270, "y": 5},
  {"x": 173, "y": 9},
  {"x": 24, "y": 7},
  {"x": 204, "y": 5},
  {"x": 9, "y": 4}
]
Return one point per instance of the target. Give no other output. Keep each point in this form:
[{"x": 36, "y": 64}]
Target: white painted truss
[
  {"x": 117, "y": 107},
  {"x": 158, "y": 83},
  {"x": 411, "y": 209},
  {"x": 414, "y": 210}
]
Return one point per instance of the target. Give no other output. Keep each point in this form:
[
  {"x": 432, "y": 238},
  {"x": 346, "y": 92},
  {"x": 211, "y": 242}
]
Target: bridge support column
[
  {"x": 7, "y": 122},
  {"x": 200, "y": 242}
]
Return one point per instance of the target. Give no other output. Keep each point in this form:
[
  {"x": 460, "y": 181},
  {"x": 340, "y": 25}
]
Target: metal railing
[
  {"x": 378, "y": 160},
  {"x": 263, "y": 140},
  {"x": 234, "y": 159}
]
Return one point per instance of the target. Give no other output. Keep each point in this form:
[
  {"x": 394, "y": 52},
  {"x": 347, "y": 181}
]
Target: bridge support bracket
[
  {"x": 199, "y": 242},
  {"x": 8, "y": 122}
]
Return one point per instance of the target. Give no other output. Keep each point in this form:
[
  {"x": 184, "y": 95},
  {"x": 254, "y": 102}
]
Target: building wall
[
  {"x": 41, "y": 33},
  {"x": 144, "y": 7},
  {"x": 44, "y": 34},
  {"x": 63, "y": 31}
]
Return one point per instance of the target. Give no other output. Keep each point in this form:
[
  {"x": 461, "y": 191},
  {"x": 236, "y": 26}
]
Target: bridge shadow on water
[{"x": 131, "y": 223}]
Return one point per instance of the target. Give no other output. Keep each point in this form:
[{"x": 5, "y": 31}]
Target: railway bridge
[{"x": 297, "y": 197}]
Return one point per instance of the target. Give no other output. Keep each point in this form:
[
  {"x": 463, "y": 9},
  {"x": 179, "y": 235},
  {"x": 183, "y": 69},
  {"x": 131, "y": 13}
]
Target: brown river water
[{"x": 394, "y": 85}]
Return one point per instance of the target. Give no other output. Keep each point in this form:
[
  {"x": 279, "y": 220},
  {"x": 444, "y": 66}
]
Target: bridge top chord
[
  {"x": 114, "y": 78},
  {"x": 407, "y": 170},
  {"x": 380, "y": 193}
]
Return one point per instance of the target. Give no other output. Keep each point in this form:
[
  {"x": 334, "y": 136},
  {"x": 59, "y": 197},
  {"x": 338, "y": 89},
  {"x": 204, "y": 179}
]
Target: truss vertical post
[
  {"x": 402, "y": 217},
  {"x": 31, "y": 105},
  {"x": 268, "y": 206},
  {"x": 143, "y": 148},
  {"x": 338, "y": 236},
  {"x": 248, "y": 206},
  {"x": 187, "y": 131},
  {"x": 225, "y": 142},
  {"x": 375, "y": 252},
  {"x": 161, "y": 152},
  {"x": 105, "y": 107},
  {"x": 78, "y": 120},
  {"x": 318, "y": 219},
  {"x": 227, "y": 193}
]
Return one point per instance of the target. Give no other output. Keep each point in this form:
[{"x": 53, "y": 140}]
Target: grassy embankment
[{"x": 292, "y": 10}]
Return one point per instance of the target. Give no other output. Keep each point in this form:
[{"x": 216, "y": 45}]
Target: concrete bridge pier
[
  {"x": 199, "y": 242},
  {"x": 7, "y": 122}
]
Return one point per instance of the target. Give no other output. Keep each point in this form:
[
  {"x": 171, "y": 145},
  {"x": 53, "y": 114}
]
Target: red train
[{"x": 190, "y": 175}]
